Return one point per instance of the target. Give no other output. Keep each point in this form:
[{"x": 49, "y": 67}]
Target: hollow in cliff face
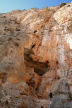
[{"x": 39, "y": 67}]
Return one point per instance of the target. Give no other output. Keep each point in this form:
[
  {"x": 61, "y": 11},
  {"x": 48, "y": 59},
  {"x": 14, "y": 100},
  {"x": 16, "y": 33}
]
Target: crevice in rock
[
  {"x": 33, "y": 46},
  {"x": 35, "y": 31}
]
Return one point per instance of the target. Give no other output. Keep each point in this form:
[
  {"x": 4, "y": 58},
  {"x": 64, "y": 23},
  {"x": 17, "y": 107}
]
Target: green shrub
[{"x": 62, "y": 4}]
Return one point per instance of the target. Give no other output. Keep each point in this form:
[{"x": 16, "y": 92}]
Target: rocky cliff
[{"x": 36, "y": 58}]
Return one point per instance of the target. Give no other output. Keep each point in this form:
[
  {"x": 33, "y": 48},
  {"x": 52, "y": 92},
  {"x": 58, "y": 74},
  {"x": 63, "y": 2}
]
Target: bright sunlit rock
[{"x": 70, "y": 43}]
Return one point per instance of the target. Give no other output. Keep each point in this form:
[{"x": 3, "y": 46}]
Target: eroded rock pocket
[{"x": 39, "y": 67}]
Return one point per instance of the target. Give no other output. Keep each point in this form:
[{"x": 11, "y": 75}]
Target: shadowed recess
[{"x": 39, "y": 67}]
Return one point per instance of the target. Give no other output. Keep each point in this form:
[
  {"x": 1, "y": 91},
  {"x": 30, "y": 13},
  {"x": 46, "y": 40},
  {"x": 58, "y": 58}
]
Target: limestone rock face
[{"x": 36, "y": 58}]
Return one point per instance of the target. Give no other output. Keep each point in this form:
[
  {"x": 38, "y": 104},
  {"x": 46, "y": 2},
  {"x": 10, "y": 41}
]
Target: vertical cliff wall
[{"x": 36, "y": 57}]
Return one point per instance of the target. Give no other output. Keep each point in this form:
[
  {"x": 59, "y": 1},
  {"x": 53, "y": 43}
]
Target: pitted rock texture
[{"x": 36, "y": 58}]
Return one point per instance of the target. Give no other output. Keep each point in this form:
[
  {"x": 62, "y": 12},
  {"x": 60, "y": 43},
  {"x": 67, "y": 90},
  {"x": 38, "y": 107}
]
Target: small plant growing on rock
[
  {"x": 62, "y": 4},
  {"x": 17, "y": 29},
  {"x": 10, "y": 39},
  {"x": 8, "y": 29}
]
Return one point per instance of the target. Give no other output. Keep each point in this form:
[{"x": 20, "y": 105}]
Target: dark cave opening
[{"x": 39, "y": 67}]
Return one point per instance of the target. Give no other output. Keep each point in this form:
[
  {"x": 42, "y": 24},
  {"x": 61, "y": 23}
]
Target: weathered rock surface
[{"x": 36, "y": 58}]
